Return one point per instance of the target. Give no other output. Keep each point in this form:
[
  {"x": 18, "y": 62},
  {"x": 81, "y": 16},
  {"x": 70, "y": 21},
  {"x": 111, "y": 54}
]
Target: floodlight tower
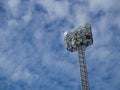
[{"x": 78, "y": 40}]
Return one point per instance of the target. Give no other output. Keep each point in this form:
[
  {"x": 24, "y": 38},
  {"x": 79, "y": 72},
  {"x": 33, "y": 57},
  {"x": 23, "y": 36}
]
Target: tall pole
[
  {"x": 83, "y": 69},
  {"x": 78, "y": 40}
]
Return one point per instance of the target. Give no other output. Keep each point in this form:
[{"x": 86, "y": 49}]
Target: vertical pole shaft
[{"x": 83, "y": 69}]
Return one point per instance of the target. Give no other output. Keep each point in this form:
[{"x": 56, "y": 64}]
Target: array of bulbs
[{"x": 81, "y": 36}]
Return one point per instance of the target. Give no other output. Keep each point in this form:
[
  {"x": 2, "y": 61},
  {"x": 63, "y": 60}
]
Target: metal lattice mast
[
  {"x": 83, "y": 69},
  {"x": 78, "y": 40}
]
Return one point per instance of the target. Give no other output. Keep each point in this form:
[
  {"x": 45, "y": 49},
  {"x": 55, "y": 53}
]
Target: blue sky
[{"x": 32, "y": 50}]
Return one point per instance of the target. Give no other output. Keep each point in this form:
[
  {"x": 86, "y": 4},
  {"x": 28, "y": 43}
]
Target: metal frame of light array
[{"x": 82, "y": 36}]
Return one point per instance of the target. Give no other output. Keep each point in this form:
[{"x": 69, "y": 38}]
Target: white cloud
[
  {"x": 80, "y": 15},
  {"x": 13, "y": 3},
  {"x": 13, "y": 6},
  {"x": 100, "y": 53},
  {"x": 100, "y": 4},
  {"x": 38, "y": 35},
  {"x": 55, "y": 9},
  {"x": 27, "y": 17},
  {"x": 21, "y": 73},
  {"x": 12, "y": 23}
]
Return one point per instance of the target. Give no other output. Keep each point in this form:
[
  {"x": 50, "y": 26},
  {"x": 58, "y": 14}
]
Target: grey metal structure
[{"x": 78, "y": 40}]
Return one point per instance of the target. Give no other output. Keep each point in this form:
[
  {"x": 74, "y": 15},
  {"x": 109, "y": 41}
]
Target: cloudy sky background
[{"x": 32, "y": 51}]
